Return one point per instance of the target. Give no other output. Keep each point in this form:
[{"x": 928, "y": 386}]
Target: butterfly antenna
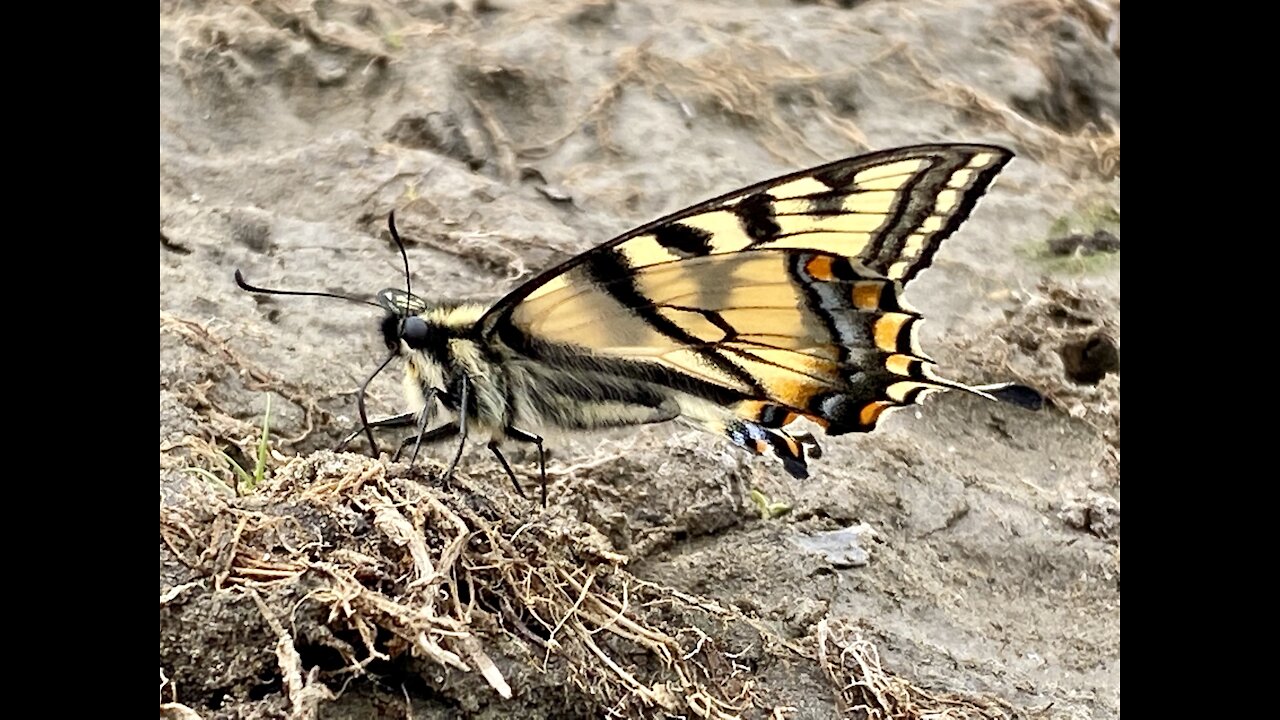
[
  {"x": 271, "y": 291},
  {"x": 391, "y": 225}
]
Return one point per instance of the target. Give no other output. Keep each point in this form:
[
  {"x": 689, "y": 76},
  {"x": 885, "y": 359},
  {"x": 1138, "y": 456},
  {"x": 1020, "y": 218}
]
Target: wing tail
[{"x": 1012, "y": 393}]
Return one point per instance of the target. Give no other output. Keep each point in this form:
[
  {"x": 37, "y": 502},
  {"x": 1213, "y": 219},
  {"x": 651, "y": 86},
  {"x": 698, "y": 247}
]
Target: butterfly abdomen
[{"x": 578, "y": 398}]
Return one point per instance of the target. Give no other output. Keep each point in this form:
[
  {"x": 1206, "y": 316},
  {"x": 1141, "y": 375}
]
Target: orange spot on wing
[
  {"x": 761, "y": 447},
  {"x": 866, "y": 295},
  {"x": 792, "y": 445},
  {"x": 888, "y": 328},
  {"x": 755, "y": 410},
  {"x": 819, "y": 421},
  {"x": 872, "y": 410},
  {"x": 751, "y": 409},
  {"x": 819, "y": 268},
  {"x": 899, "y": 364}
]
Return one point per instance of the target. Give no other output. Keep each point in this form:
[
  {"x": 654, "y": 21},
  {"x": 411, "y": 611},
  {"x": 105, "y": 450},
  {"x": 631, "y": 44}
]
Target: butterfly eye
[{"x": 414, "y": 331}]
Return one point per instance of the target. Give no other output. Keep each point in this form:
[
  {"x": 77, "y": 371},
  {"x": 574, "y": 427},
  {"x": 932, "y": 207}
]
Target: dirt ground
[{"x": 963, "y": 561}]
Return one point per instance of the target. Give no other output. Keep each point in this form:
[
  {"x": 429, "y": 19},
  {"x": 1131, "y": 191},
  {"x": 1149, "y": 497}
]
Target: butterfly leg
[
  {"x": 433, "y": 435},
  {"x": 428, "y": 411},
  {"x": 401, "y": 420},
  {"x": 364, "y": 417},
  {"x": 493, "y": 447},
  {"x": 525, "y": 436},
  {"x": 462, "y": 427}
]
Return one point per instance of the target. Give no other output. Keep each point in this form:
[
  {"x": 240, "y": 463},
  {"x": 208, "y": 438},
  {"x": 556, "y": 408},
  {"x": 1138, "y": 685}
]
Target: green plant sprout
[{"x": 768, "y": 509}]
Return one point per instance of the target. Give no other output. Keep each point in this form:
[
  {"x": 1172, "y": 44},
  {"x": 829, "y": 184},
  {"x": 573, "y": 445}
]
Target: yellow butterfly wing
[{"x": 777, "y": 300}]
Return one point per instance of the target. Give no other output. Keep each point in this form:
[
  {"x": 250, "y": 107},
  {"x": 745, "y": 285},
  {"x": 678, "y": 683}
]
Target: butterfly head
[
  {"x": 403, "y": 321},
  {"x": 410, "y": 327}
]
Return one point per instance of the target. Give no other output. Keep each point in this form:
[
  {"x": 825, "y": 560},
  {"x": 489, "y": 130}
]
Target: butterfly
[{"x": 740, "y": 316}]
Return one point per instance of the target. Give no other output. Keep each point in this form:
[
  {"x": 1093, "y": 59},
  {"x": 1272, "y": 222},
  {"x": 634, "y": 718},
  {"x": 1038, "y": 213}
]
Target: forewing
[
  {"x": 778, "y": 300},
  {"x": 887, "y": 211}
]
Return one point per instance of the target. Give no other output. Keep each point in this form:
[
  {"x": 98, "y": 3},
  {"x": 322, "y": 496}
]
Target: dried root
[
  {"x": 463, "y": 580},
  {"x": 864, "y": 689}
]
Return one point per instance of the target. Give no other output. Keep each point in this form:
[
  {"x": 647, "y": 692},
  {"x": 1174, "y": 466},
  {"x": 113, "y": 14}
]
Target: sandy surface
[{"x": 508, "y": 136}]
